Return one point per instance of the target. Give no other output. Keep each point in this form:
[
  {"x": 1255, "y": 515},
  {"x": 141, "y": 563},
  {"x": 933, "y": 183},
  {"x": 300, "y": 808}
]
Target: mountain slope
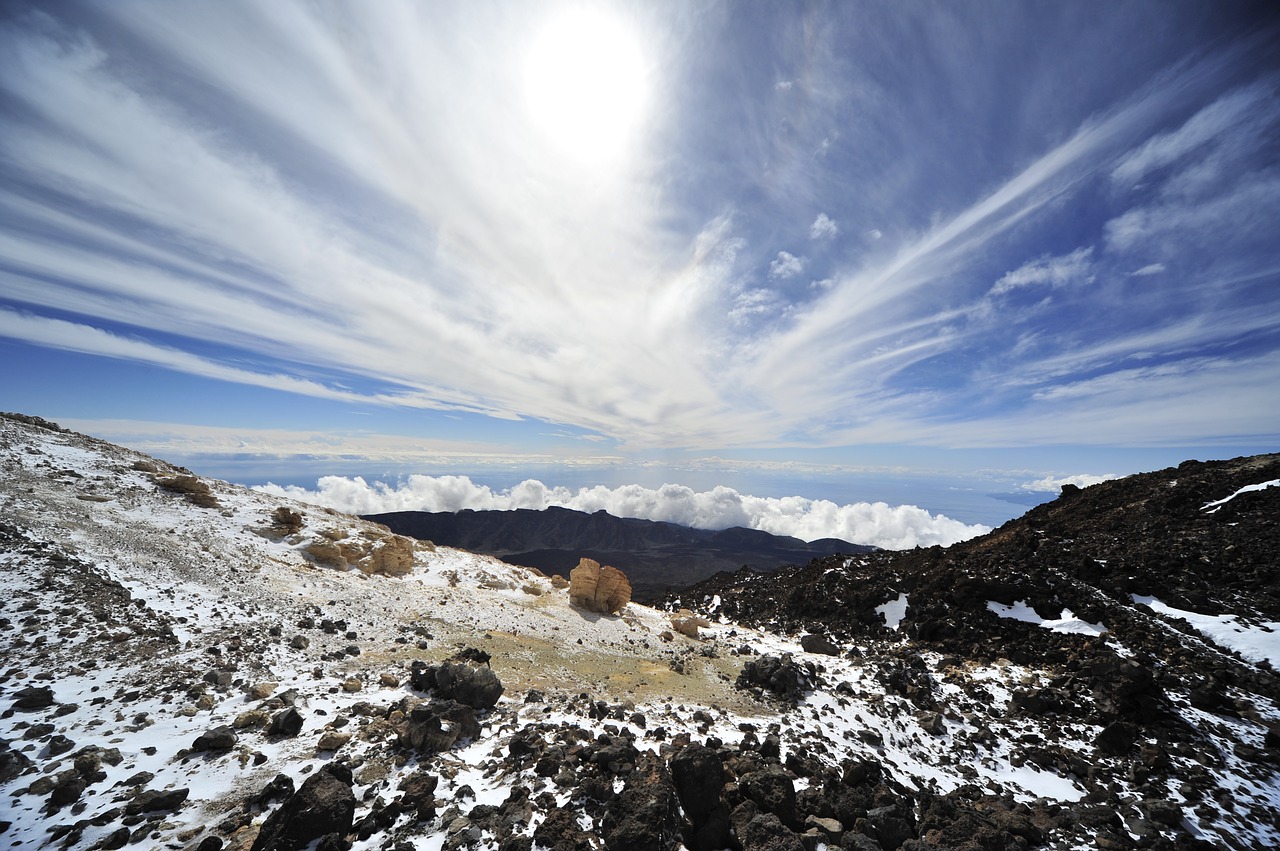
[
  {"x": 657, "y": 557},
  {"x": 1150, "y": 605},
  {"x": 187, "y": 665}
]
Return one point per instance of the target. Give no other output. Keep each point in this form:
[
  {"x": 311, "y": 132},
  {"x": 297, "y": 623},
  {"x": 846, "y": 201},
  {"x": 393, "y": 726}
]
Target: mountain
[
  {"x": 191, "y": 665},
  {"x": 657, "y": 557}
]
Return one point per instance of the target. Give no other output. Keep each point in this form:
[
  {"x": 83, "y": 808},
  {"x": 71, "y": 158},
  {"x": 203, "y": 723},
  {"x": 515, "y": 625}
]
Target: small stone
[
  {"x": 389, "y": 680},
  {"x": 352, "y": 684}
]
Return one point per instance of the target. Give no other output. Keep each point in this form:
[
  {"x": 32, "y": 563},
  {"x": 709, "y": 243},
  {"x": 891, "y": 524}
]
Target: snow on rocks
[{"x": 186, "y": 676}]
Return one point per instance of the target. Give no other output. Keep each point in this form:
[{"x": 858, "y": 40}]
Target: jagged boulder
[
  {"x": 324, "y": 805},
  {"x": 646, "y": 815},
  {"x": 779, "y": 675},
  {"x": 598, "y": 589}
]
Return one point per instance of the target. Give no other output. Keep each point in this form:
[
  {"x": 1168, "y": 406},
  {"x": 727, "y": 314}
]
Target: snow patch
[
  {"x": 1067, "y": 623},
  {"x": 894, "y": 611},
  {"x": 1217, "y": 504},
  {"x": 1254, "y": 643}
]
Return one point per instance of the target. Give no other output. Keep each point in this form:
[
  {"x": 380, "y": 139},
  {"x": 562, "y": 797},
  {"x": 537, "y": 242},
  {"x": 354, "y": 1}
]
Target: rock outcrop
[
  {"x": 598, "y": 589},
  {"x": 372, "y": 551}
]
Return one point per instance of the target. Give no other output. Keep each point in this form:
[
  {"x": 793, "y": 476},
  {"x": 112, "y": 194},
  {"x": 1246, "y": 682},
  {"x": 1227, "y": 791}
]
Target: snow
[
  {"x": 1254, "y": 642},
  {"x": 217, "y": 579},
  {"x": 1216, "y": 504},
  {"x": 1066, "y": 623},
  {"x": 894, "y": 611}
]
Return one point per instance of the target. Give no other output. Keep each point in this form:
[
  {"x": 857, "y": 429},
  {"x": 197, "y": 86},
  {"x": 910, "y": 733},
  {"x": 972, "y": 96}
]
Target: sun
[{"x": 585, "y": 85}]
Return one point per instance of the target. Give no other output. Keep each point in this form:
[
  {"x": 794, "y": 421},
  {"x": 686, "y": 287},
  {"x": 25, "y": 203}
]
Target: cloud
[
  {"x": 382, "y": 225},
  {"x": 1053, "y": 484},
  {"x": 1055, "y": 271},
  {"x": 786, "y": 266},
  {"x": 823, "y": 227},
  {"x": 1201, "y": 129},
  {"x": 1149, "y": 269},
  {"x": 877, "y": 524}
]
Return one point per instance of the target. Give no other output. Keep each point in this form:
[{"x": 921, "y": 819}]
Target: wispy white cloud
[
  {"x": 877, "y": 524},
  {"x": 785, "y": 266},
  {"x": 1055, "y": 271},
  {"x": 1205, "y": 126},
  {"x": 823, "y": 227},
  {"x": 357, "y": 233}
]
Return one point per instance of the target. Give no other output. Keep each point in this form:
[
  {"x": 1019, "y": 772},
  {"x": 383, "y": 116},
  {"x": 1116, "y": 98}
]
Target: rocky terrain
[
  {"x": 191, "y": 665},
  {"x": 657, "y": 557}
]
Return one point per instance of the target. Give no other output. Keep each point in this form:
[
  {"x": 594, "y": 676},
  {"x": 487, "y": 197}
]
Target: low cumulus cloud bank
[
  {"x": 891, "y": 527},
  {"x": 1053, "y": 484}
]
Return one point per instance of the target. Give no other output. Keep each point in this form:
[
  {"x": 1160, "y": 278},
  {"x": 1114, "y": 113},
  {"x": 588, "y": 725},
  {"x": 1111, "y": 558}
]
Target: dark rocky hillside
[
  {"x": 1155, "y": 684},
  {"x": 657, "y": 557}
]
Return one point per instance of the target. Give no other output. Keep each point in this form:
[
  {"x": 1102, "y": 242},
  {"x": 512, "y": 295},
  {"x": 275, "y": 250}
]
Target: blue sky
[{"x": 856, "y": 238}]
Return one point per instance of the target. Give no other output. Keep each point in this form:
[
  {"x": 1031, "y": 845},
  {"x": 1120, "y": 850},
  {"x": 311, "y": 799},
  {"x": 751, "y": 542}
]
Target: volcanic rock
[
  {"x": 598, "y": 589},
  {"x": 324, "y": 805}
]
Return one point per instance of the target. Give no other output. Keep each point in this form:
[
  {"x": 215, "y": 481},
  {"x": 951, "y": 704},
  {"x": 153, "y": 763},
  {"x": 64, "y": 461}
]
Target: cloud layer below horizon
[
  {"x": 878, "y": 524},
  {"x": 799, "y": 239}
]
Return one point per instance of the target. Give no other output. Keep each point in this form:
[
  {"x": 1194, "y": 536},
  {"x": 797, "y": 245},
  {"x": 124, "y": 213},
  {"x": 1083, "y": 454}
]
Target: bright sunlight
[{"x": 585, "y": 85}]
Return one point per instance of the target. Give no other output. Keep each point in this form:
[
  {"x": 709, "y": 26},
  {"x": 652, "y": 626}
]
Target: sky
[{"x": 907, "y": 253}]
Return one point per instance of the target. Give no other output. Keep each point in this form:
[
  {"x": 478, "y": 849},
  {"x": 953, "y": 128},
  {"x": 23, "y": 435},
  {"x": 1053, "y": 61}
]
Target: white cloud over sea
[{"x": 875, "y": 523}]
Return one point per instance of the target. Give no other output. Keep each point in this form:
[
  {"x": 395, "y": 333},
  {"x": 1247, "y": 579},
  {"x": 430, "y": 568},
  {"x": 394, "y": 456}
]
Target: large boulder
[
  {"x": 324, "y": 805},
  {"x": 598, "y": 589},
  {"x": 779, "y": 675},
  {"x": 475, "y": 685},
  {"x": 699, "y": 778},
  {"x": 646, "y": 815}
]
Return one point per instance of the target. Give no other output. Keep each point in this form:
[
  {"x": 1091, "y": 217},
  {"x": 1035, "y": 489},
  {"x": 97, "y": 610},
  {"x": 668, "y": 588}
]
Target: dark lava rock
[
  {"x": 891, "y": 825},
  {"x": 817, "y": 643},
  {"x": 646, "y": 815},
  {"x": 324, "y": 805},
  {"x": 148, "y": 802},
  {"x": 418, "y": 790},
  {"x": 68, "y": 788},
  {"x": 559, "y": 831},
  {"x": 466, "y": 682},
  {"x": 773, "y": 791},
  {"x": 1117, "y": 738},
  {"x": 435, "y": 727},
  {"x": 286, "y": 722},
  {"x": 218, "y": 739},
  {"x": 766, "y": 832},
  {"x": 699, "y": 777},
  {"x": 779, "y": 675},
  {"x": 12, "y": 763},
  {"x": 33, "y": 697},
  {"x": 60, "y": 744},
  {"x": 474, "y": 686}
]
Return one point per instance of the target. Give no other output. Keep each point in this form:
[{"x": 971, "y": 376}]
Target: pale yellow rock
[
  {"x": 598, "y": 589},
  {"x": 389, "y": 680},
  {"x": 331, "y": 741},
  {"x": 687, "y": 623},
  {"x": 352, "y": 684},
  {"x": 261, "y": 691}
]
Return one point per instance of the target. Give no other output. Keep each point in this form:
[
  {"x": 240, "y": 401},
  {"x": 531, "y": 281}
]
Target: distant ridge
[{"x": 656, "y": 556}]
